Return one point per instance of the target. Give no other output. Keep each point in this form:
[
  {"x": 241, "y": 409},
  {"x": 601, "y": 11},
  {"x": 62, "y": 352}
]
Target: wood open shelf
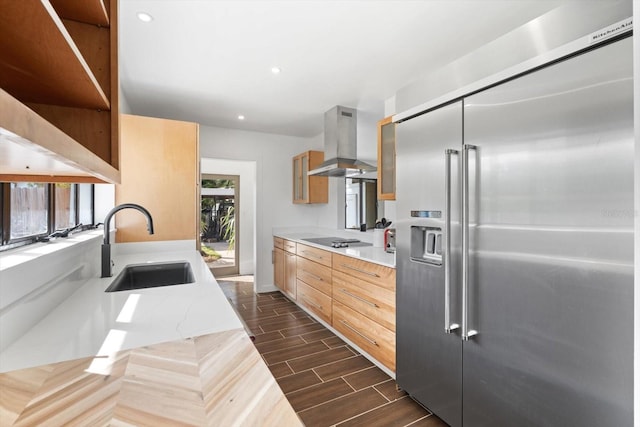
[
  {"x": 40, "y": 61},
  {"x": 91, "y": 12},
  {"x": 59, "y": 89},
  {"x": 56, "y": 157}
]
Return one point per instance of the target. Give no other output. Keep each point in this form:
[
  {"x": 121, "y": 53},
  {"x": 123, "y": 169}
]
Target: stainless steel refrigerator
[{"x": 515, "y": 249}]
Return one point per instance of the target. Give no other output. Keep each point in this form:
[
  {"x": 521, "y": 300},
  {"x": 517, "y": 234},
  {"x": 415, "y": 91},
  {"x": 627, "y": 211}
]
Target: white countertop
[
  {"x": 373, "y": 254},
  {"x": 92, "y": 322}
]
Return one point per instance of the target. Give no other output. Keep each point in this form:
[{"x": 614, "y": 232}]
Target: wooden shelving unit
[{"x": 59, "y": 97}]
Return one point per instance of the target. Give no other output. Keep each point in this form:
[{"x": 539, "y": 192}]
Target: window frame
[{"x": 6, "y": 242}]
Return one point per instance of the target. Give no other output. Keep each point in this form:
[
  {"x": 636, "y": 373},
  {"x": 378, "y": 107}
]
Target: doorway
[{"x": 219, "y": 230}]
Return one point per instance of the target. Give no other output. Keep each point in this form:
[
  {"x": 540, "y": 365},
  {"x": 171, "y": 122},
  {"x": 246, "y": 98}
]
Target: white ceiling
[{"x": 208, "y": 61}]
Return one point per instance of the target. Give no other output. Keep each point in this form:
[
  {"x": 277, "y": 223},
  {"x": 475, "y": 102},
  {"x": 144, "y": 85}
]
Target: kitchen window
[
  {"x": 361, "y": 203},
  {"x": 32, "y": 211}
]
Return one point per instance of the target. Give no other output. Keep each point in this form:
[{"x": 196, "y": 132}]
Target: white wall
[
  {"x": 247, "y": 213},
  {"x": 272, "y": 156},
  {"x": 636, "y": 56}
]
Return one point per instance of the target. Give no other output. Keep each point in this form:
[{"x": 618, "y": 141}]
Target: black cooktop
[{"x": 336, "y": 242}]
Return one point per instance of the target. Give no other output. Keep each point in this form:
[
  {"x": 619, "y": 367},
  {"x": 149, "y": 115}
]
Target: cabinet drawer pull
[
  {"x": 358, "y": 332},
  {"x": 359, "y": 270},
  {"x": 318, "y": 306},
  {"x": 313, "y": 276},
  {"x": 359, "y": 298},
  {"x": 312, "y": 255}
]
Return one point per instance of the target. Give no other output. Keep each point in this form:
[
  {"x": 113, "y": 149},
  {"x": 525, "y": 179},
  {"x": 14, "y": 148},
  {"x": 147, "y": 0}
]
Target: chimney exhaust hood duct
[{"x": 340, "y": 146}]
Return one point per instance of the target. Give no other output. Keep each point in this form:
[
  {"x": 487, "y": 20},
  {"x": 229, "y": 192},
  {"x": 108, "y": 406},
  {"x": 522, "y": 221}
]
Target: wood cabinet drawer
[
  {"x": 289, "y": 246},
  {"x": 314, "y": 274},
  {"x": 373, "y": 338},
  {"x": 314, "y": 254},
  {"x": 315, "y": 301},
  {"x": 278, "y": 242},
  {"x": 375, "y": 302},
  {"x": 374, "y": 273}
]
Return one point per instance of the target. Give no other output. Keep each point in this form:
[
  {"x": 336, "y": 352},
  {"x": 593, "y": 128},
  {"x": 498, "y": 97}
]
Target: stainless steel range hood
[{"x": 340, "y": 146}]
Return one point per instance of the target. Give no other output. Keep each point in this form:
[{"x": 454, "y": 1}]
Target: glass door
[{"x": 219, "y": 231}]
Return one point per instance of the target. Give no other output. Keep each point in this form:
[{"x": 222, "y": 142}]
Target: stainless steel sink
[{"x": 152, "y": 275}]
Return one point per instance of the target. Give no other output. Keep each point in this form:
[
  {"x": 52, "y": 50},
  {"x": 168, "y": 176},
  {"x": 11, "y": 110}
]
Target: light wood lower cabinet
[
  {"x": 372, "y": 337},
  {"x": 278, "y": 263},
  {"x": 290, "y": 274},
  {"x": 356, "y": 297},
  {"x": 315, "y": 301},
  {"x": 314, "y": 280},
  {"x": 373, "y": 273},
  {"x": 284, "y": 266},
  {"x": 314, "y": 254},
  {"x": 375, "y": 302},
  {"x": 364, "y": 306},
  {"x": 314, "y": 274}
]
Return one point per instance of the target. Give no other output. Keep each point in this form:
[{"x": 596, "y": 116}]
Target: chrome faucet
[{"x": 106, "y": 247}]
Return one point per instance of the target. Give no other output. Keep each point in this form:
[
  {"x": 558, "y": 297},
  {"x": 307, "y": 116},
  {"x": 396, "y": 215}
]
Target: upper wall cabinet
[
  {"x": 386, "y": 159},
  {"x": 59, "y": 90},
  {"x": 309, "y": 189}
]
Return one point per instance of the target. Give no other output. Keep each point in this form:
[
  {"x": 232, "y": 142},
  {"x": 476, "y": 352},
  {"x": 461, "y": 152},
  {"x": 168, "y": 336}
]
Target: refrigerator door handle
[
  {"x": 448, "y": 326},
  {"x": 466, "y": 332}
]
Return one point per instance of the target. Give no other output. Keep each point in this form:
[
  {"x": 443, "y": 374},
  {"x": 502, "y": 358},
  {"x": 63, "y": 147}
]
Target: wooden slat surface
[
  {"x": 211, "y": 380},
  {"x": 40, "y": 62}
]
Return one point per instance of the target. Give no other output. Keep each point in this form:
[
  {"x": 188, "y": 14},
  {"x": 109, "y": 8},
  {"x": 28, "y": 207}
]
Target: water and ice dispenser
[{"x": 426, "y": 244}]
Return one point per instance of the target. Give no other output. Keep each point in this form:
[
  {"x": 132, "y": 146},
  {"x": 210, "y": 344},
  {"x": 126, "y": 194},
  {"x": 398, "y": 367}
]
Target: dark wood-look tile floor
[{"x": 327, "y": 382}]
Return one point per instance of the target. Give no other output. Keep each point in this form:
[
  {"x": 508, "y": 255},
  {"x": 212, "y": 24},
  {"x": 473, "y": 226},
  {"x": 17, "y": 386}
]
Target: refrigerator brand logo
[{"x": 611, "y": 30}]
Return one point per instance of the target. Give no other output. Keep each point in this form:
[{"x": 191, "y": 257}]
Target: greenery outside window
[{"x": 31, "y": 211}]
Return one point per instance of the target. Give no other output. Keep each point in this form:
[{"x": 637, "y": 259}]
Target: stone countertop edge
[
  {"x": 372, "y": 254},
  {"x": 91, "y": 322}
]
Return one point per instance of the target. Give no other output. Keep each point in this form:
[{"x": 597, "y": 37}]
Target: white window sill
[{"x": 15, "y": 257}]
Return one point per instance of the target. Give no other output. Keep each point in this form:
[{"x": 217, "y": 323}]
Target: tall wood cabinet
[
  {"x": 386, "y": 159},
  {"x": 59, "y": 91},
  {"x": 160, "y": 171},
  {"x": 309, "y": 189}
]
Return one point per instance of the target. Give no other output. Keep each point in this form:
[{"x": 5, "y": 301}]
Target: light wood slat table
[{"x": 217, "y": 379}]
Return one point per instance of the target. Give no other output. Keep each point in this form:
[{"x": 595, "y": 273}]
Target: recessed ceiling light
[
  {"x": 240, "y": 117},
  {"x": 275, "y": 70},
  {"x": 144, "y": 17}
]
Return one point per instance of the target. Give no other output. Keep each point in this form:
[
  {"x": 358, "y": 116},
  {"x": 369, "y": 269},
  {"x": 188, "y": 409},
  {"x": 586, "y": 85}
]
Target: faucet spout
[{"x": 106, "y": 246}]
